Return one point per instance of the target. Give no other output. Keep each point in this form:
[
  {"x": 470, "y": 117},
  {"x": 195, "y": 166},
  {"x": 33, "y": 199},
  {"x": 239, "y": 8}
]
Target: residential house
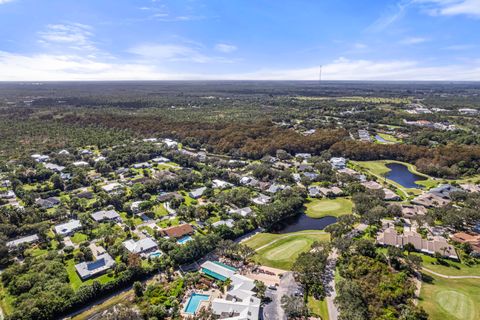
[
  {"x": 178, "y": 231},
  {"x": 109, "y": 215},
  {"x": 87, "y": 270},
  {"x": 143, "y": 246},
  {"x": 228, "y": 223},
  {"x": 274, "y": 188},
  {"x": 40, "y": 158},
  {"x": 304, "y": 156},
  {"x": 437, "y": 244},
  {"x": 413, "y": 211},
  {"x": 142, "y": 165},
  {"x": 160, "y": 160},
  {"x": 430, "y": 200},
  {"x": 113, "y": 187},
  {"x": 48, "y": 202},
  {"x": 261, "y": 199},
  {"x": 54, "y": 167},
  {"x": 172, "y": 144},
  {"x": 28, "y": 239},
  {"x": 338, "y": 163},
  {"x": 68, "y": 228},
  {"x": 197, "y": 193},
  {"x": 80, "y": 163},
  {"x": 220, "y": 184},
  {"x": 242, "y": 211},
  {"x": 9, "y": 194},
  {"x": 473, "y": 239}
]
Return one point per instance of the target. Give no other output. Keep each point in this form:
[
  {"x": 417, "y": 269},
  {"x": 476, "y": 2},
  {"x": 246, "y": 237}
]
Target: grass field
[
  {"x": 76, "y": 282},
  {"x": 78, "y": 238},
  {"x": 318, "y": 208},
  {"x": 450, "y": 268},
  {"x": 451, "y": 299},
  {"x": 281, "y": 250},
  {"x": 318, "y": 307}
]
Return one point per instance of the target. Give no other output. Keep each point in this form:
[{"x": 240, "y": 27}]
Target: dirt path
[{"x": 449, "y": 277}]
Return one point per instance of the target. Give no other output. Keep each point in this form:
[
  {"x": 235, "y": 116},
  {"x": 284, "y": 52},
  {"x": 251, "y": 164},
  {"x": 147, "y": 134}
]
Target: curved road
[{"x": 449, "y": 277}]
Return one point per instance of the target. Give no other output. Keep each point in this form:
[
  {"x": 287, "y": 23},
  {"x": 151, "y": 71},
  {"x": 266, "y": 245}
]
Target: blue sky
[{"x": 239, "y": 39}]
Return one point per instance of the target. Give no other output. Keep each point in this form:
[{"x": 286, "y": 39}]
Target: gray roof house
[
  {"x": 105, "y": 215},
  {"x": 68, "y": 228},
  {"x": 197, "y": 193},
  {"x": 54, "y": 167},
  {"x": 48, "y": 202},
  {"x": 144, "y": 245},
  {"x": 28, "y": 239},
  {"x": 262, "y": 199},
  {"x": 91, "y": 269},
  {"x": 242, "y": 211}
]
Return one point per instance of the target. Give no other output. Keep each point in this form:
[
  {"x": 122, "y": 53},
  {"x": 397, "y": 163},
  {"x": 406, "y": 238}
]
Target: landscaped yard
[
  {"x": 318, "y": 208},
  {"x": 75, "y": 280},
  {"x": 281, "y": 250},
  {"x": 79, "y": 237},
  {"x": 455, "y": 299}
]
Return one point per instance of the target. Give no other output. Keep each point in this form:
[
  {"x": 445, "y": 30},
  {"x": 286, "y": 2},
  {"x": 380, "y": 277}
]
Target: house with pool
[
  {"x": 237, "y": 303},
  {"x": 183, "y": 233}
]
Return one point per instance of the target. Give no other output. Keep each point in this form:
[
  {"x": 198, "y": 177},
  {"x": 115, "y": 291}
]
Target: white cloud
[
  {"x": 413, "y": 40},
  {"x": 395, "y": 13},
  {"x": 170, "y": 52},
  {"x": 5, "y": 1},
  {"x": 225, "y": 48},
  {"x": 44, "y": 67},
  {"x": 73, "y": 36},
  {"x": 452, "y": 7}
]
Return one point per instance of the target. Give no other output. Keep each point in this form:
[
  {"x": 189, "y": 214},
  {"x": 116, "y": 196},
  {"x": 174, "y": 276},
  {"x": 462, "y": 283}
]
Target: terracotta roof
[{"x": 178, "y": 231}]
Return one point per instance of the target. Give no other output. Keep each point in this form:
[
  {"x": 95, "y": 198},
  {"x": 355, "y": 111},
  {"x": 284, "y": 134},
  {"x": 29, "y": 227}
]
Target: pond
[
  {"x": 303, "y": 222},
  {"x": 380, "y": 139},
  {"x": 401, "y": 175}
]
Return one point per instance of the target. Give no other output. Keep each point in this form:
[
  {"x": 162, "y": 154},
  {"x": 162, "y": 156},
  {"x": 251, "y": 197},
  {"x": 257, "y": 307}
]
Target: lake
[
  {"x": 303, "y": 222},
  {"x": 401, "y": 175}
]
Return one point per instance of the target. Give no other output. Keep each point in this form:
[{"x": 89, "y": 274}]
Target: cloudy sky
[{"x": 239, "y": 39}]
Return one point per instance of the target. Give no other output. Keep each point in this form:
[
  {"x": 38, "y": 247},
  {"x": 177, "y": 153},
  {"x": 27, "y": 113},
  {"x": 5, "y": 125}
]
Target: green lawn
[
  {"x": 451, "y": 299},
  {"x": 318, "y": 307},
  {"x": 281, "y": 250},
  {"x": 449, "y": 268},
  {"x": 6, "y": 300},
  {"x": 75, "y": 280},
  {"x": 79, "y": 237},
  {"x": 318, "y": 208},
  {"x": 160, "y": 210}
]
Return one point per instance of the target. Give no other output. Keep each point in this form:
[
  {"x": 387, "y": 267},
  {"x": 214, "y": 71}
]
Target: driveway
[{"x": 273, "y": 310}]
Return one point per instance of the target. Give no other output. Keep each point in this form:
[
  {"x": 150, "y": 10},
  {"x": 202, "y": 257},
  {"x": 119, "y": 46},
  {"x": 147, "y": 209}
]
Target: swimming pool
[
  {"x": 184, "y": 239},
  {"x": 194, "y": 302},
  {"x": 156, "y": 254}
]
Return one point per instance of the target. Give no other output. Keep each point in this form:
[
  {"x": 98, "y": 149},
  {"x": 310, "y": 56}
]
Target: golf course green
[{"x": 319, "y": 208}]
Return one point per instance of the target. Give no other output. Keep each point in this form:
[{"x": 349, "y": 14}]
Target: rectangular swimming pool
[{"x": 194, "y": 302}]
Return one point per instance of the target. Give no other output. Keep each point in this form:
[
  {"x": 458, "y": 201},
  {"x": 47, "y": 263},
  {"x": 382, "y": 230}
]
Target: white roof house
[
  {"x": 54, "y": 167},
  {"x": 141, "y": 246},
  {"x": 261, "y": 199},
  {"x": 220, "y": 184},
  {"x": 80, "y": 163},
  {"x": 160, "y": 159},
  {"x": 105, "y": 215},
  {"x": 338, "y": 163},
  {"x": 228, "y": 223},
  {"x": 68, "y": 227},
  {"x": 197, "y": 193},
  {"x": 239, "y": 302},
  {"x": 94, "y": 268},
  {"x": 242, "y": 211},
  {"x": 19, "y": 241},
  {"x": 170, "y": 143},
  {"x": 40, "y": 158},
  {"x": 111, "y": 187},
  {"x": 142, "y": 165}
]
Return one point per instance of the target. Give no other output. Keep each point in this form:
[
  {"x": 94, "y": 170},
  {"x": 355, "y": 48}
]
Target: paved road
[
  {"x": 450, "y": 277},
  {"x": 287, "y": 286},
  {"x": 330, "y": 285}
]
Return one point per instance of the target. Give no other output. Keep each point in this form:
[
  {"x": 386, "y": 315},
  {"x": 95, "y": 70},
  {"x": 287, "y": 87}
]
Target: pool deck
[{"x": 212, "y": 293}]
